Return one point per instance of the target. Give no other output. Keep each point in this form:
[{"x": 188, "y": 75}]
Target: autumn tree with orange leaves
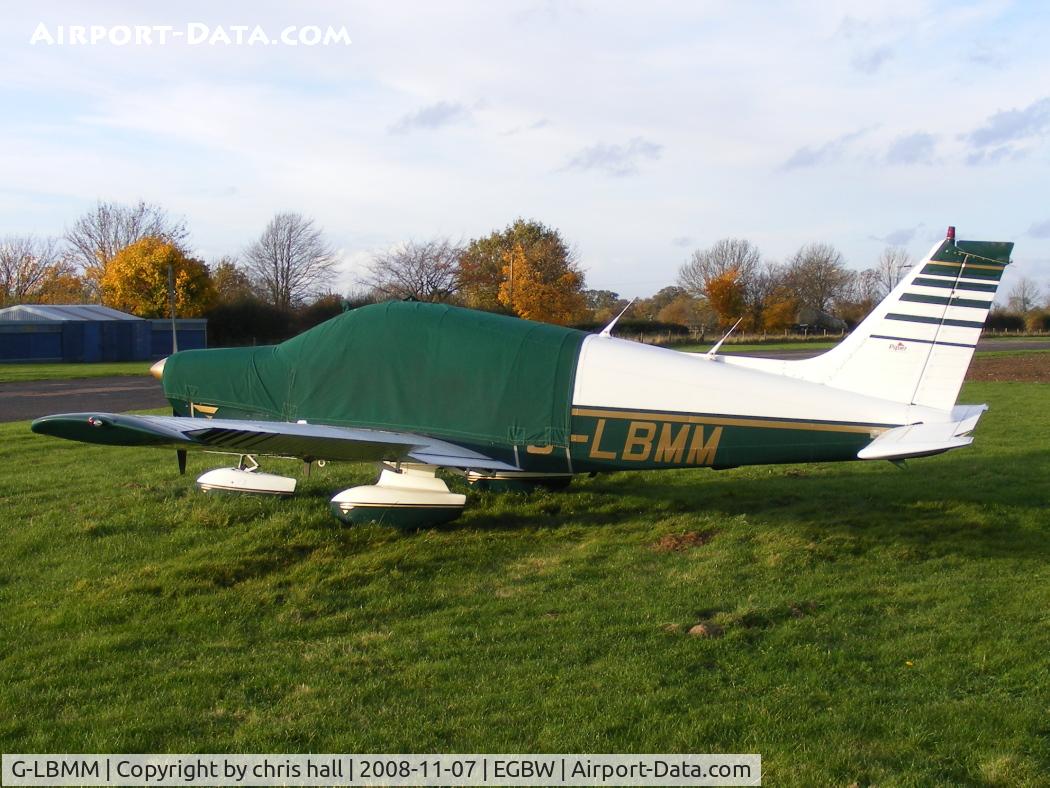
[
  {"x": 725, "y": 295},
  {"x": 62, "y": 285},
  {"x": 136, "y": 280},
  {"x": 780, "y": 311},
  {"x": 548, "y": 296},
  {"x": 484, "y": 268}
]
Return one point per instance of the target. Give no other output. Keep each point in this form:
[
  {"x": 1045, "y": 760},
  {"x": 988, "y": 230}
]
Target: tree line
[
  {"x": 282, "y": 282},
  {"x": 118, "y": 255}
]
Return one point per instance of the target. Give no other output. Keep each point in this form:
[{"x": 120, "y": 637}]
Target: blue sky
[{"x": 642, "y": 131}]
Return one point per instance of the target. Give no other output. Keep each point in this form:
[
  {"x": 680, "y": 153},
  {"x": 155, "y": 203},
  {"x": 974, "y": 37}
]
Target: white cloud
[
  {"x": 871, "y": 60},
  {"x": 433, "y": 116},
  {"x": 823, "y": 153},
  {"x": 901, "y": 236},
  {"x": 916, "y": 148},
  {"x": 1040, "y": 229},
  {"x": 616, "y": 160},
  {"x": 1006, "y": 126}
]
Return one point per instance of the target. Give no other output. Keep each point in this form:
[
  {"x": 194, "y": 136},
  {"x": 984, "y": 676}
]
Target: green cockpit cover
[{"x": 405, "y": 366}]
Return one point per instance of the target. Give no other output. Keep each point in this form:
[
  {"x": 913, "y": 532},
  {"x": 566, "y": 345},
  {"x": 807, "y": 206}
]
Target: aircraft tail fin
[{"x": 917, "y": 344}]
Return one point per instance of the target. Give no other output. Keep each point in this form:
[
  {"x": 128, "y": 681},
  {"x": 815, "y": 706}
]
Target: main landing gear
[
  {"x": 406, "y": 495},
  {"x": 246, "y": 478}
]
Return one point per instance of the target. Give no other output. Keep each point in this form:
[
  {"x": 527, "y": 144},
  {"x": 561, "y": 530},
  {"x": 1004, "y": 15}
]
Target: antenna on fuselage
[
  {"x": 607, "y": 331},
  {"x": 714, "y": 351}
]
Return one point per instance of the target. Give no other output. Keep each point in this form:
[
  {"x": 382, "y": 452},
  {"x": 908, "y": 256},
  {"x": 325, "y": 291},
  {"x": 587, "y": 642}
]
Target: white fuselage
[{"x": 614, "y": 373}]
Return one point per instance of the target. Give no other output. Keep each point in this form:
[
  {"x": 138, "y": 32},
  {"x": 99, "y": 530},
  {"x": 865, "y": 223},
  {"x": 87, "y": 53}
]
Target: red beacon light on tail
[{"x": 951, "y": 233}]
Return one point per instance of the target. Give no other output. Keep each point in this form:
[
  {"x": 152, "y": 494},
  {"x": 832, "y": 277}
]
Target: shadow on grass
[
  {"x": 972, "y": 505},
  {"x": 960, "y": 507}
]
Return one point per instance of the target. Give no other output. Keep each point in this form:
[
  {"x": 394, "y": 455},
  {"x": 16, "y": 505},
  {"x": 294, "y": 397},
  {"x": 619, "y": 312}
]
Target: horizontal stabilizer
[{"x": 922, "y": 440}]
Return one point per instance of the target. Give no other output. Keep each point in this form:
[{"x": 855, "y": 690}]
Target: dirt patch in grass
[
  {"x": 705, "y": 629},
  {"x": 677, "y": 543},
  {"x": 802, "y": 609},
  {"x": 1024, "y": 367}
]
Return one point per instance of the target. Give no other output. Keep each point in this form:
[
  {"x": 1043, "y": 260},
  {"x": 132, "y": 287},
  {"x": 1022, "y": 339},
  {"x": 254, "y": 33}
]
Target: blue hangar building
[{"x": 89, "y": 332}]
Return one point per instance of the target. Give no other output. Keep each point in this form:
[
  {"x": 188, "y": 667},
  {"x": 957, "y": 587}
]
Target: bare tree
[
  {"x": 817, "y": 276},
  {"x": 26, "y": 262},
  {"x": 422, "y": 270},
  {"x": 867, "y": 287},
  {"x": 891, "y": 267},
  {"x": 97, "y": 236},
  {"x": 708, "y": 264},
  {"x": 291, "y": 260},
  {"x": 1024, "y": 295}
]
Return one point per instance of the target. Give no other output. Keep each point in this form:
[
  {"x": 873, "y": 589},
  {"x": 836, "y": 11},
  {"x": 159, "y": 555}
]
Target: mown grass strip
[{"x": 15, "y": 373}]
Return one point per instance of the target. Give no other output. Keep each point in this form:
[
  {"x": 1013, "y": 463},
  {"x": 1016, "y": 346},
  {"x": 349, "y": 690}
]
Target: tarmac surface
[
  {"x": 35, "y": 398},
  {"x": 29, "y": 400}
]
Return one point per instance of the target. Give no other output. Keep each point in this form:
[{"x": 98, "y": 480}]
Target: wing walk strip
[
  {"x": 728, "y": 421},
  {"x": 234, "y": 438}
]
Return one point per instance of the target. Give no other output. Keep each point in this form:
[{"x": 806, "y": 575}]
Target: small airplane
[{"x": 416, "y": 387}]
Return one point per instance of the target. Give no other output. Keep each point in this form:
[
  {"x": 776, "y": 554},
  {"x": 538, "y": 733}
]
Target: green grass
[
  {"x": 880, "y": 626},
  {"x": 15, "y": 373}
]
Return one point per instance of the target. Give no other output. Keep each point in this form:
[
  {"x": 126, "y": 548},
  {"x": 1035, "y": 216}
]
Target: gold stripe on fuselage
[{"x": 689, "y": 418}]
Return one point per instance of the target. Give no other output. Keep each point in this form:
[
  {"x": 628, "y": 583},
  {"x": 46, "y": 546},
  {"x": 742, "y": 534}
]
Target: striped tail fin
[{"x": 916, "y": 346}]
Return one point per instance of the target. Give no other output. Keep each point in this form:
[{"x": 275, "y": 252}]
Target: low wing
[
  {"x": 313, "y": 441},
  {"x": 921, "y": 440}
]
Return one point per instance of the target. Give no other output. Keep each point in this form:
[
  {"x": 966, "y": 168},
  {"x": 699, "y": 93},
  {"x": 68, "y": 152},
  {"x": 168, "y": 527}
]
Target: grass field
[
  {"x": 878, "y": 625},
  {"x": 14, "y": 373}
]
